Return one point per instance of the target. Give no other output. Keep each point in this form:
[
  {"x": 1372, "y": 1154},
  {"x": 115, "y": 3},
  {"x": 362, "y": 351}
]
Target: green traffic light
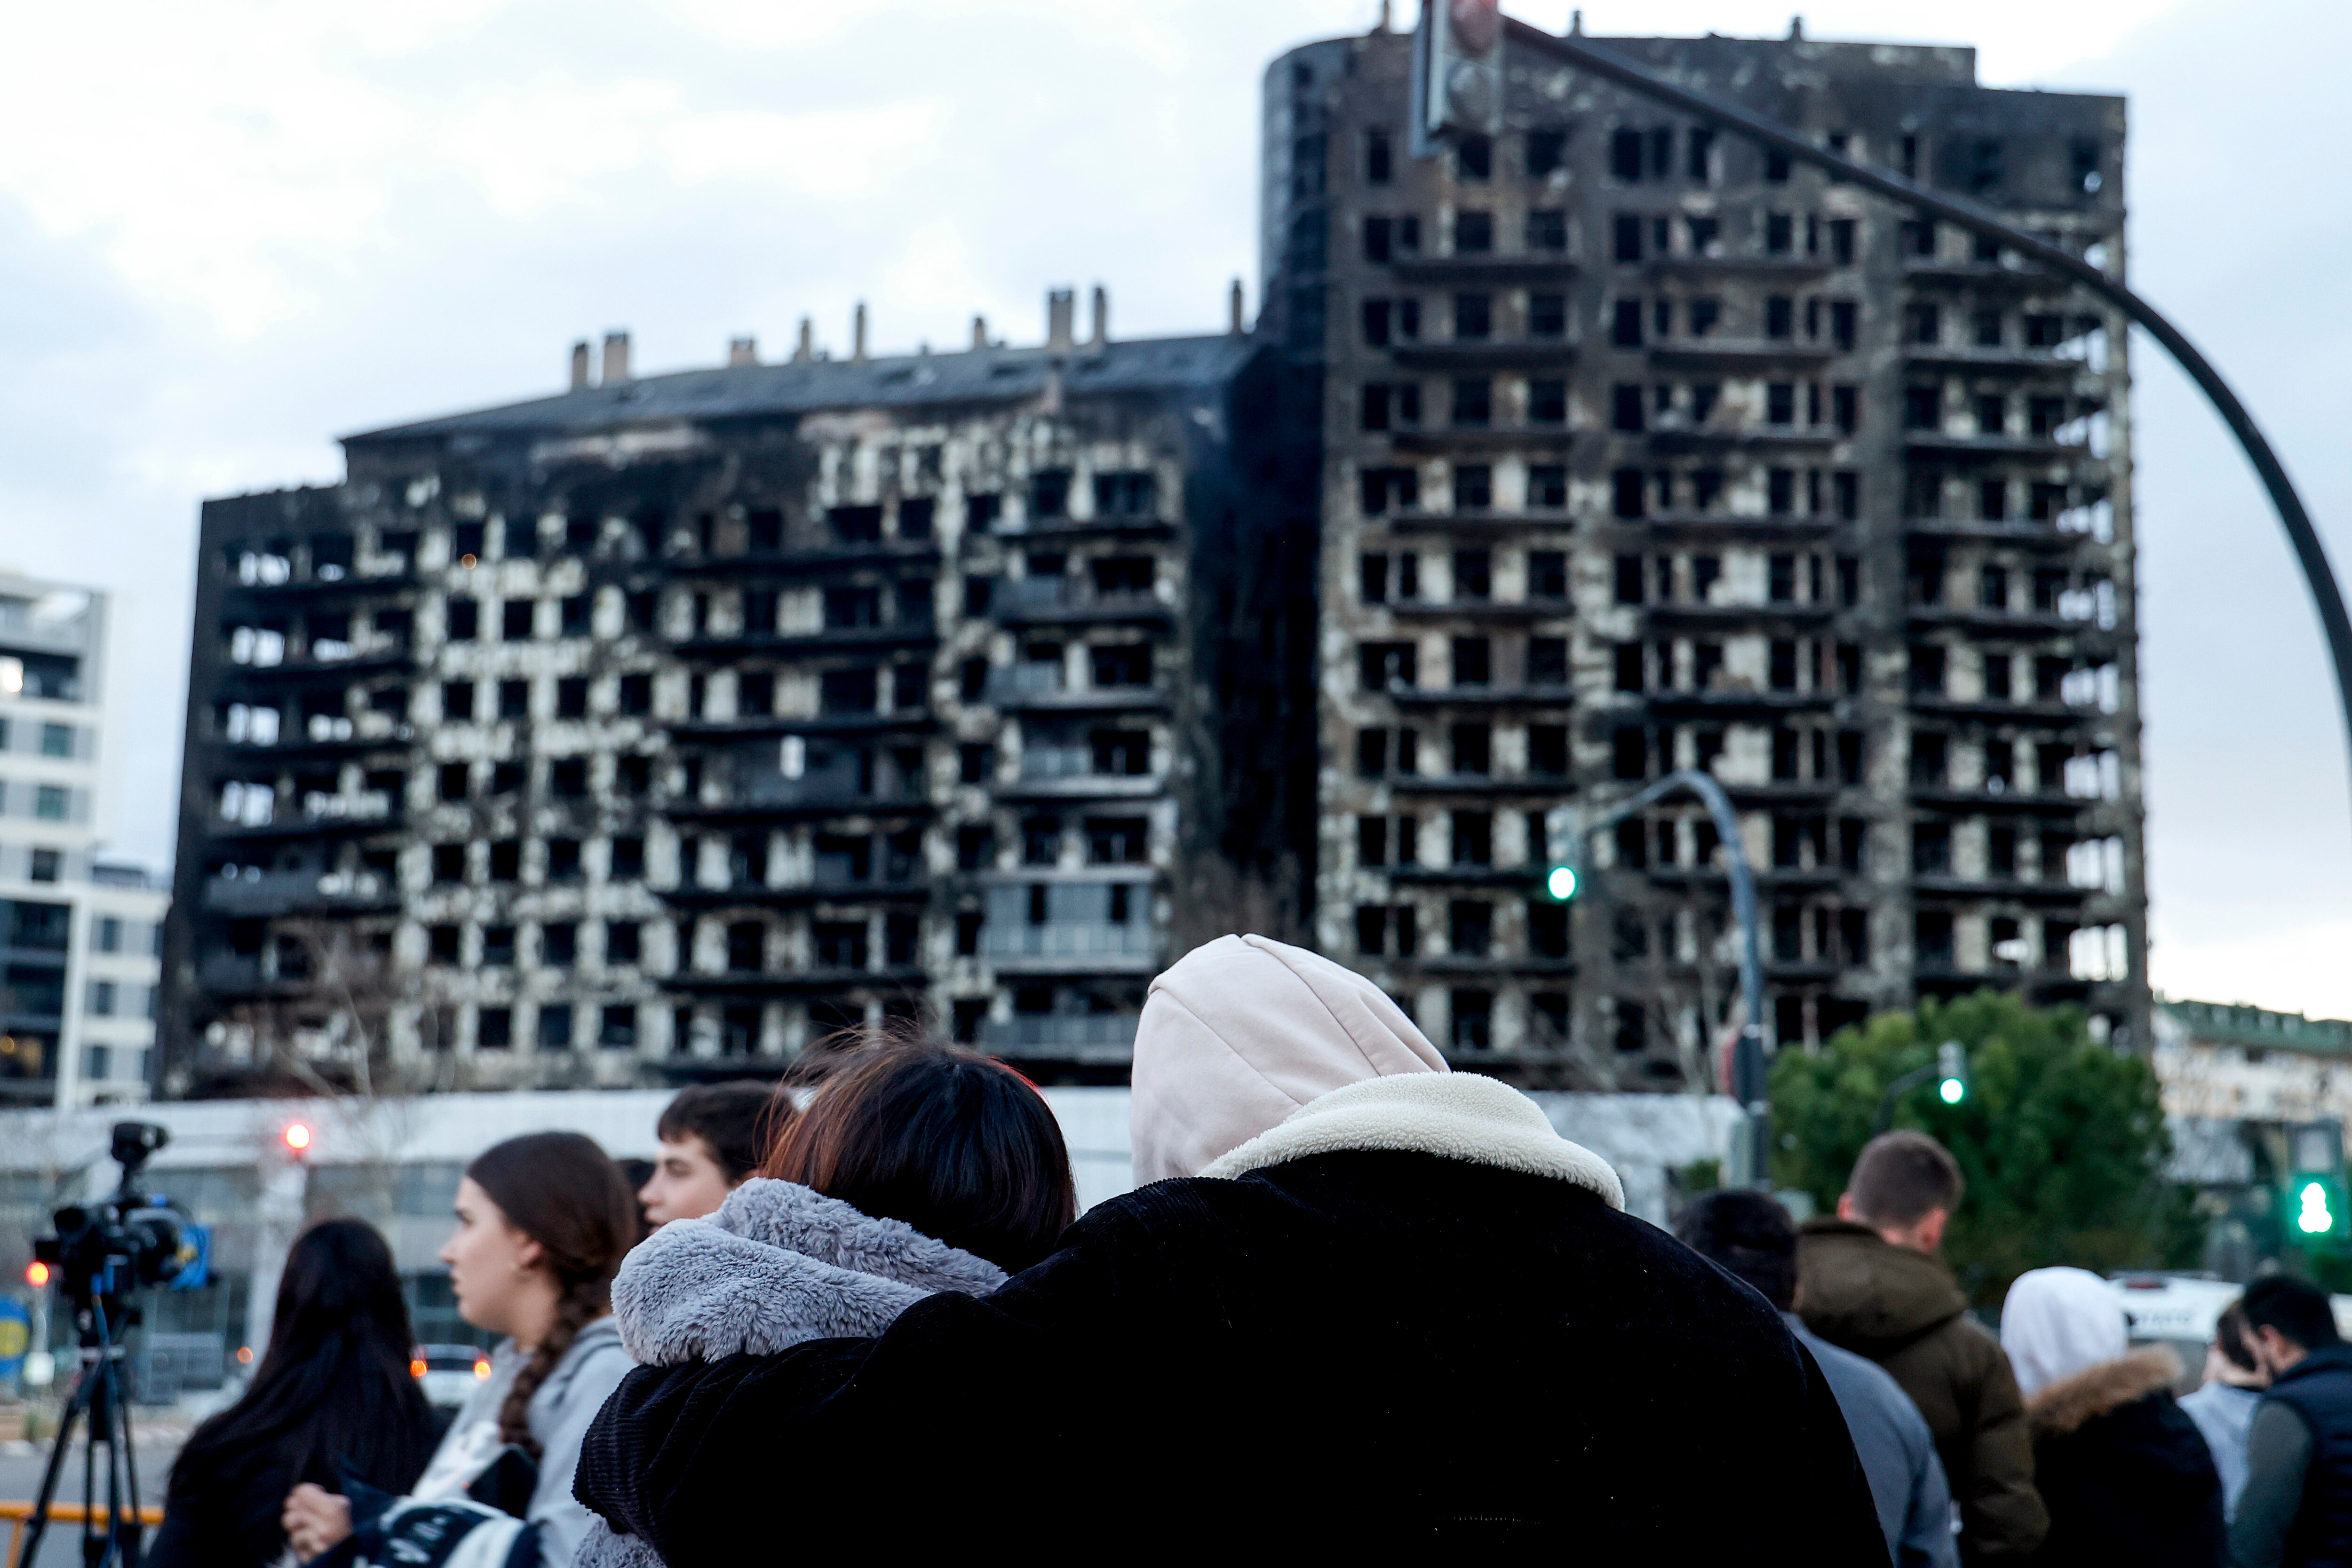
[
  {"x": 1953, "y": 1090},
  {"x": 1562, "y": 883},
  {"x": 2315, "y": 1219}
]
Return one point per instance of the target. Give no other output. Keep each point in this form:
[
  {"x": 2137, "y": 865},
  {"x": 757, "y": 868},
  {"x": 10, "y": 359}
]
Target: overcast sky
[{"x": 231, "y": 232}]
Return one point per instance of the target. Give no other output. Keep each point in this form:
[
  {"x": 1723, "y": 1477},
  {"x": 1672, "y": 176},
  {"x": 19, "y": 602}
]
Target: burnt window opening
[
  {"x": 1473, "y": 661},
  {"x": 1380, "y": 158},
  {"x": 1547, "y": 229},
  {"x": 514, "y": 699},
  {"x": 1547, "y": 400},
  {"x": 1390, "y": 406},
  {"x": 1049, "y": 493},
  {"x": 1547, "y": 749},
  {"x": 1625, "y": 325},
  {"x": 1776, "y": 166},
  {"x": 1134, "y": 494},
  {"x": 1626, "y": 159},
  {"x": 1473, "y": 400},
  {"x": 1388, "y": 489},
  {"x": 1474, "y": 157},
  {"x": 1628, "y": 493},
  {"x": 1630, "y": 580},
  {"x": 1780, "y": 316},
  {"x": 1473, "y": 317},
  {"x": 1470, "y": 928},
  {"x": 1706, "y": 315},
  {"x": 1547, "y": 152},
  {"x": 1625, "y": 237},
  {"x": 854, "y": 526},
  {"x": 1474, "y": 491},
  {"x": 1987, "y": 164},
  {"x": 1474, "y": 234},
  {"x": 1472, "y": 837},
  {"x": 1547, "y": 661},
  {"x": 1474, "y": 750},
  {"x": 1121, "y": 753},
  {"x": 1780, "y": 233},
  {"x": 1547, "y": 315}
]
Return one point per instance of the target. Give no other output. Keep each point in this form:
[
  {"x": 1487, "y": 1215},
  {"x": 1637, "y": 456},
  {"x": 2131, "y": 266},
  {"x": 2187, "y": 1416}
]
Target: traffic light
[
  {"x": 1562, "y": 883},
  {"x": 297, "y": 1138},
  {"x": 2317, "y": 1214},
  {"x": 37, "y": 1274},
  {"x": 1952, "y": 1072},
  {"x": 1457, "y": 71}
]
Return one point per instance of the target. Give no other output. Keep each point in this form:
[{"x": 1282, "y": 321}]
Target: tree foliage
[{"x": 2061, "y": 1140}]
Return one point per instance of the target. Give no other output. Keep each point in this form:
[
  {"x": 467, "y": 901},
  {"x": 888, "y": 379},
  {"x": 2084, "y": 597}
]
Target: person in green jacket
[{"x": 1870, "y": 1281}]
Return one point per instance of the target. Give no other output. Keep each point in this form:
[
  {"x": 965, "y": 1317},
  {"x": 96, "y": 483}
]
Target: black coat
[
  {"x": 1373, "y": 1350},
  {"x": 2125, "y": 1474}
]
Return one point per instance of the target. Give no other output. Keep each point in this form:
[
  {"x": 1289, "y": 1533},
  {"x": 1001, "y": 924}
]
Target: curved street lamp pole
[
  {"x": 2309, "y": 552},
  {"x": 1748, "y": 1078}
]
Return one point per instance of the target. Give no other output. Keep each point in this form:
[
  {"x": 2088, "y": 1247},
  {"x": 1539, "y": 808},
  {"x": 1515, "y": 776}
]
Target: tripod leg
[{"x": 76, "y": 1404}]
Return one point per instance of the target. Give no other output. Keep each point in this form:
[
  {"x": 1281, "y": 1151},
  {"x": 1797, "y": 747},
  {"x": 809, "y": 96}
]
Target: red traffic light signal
[
  {"x": 297, "y": 1138},
  {"x": 37, "y": 1274}
]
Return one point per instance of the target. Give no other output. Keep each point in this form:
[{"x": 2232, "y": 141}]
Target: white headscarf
[{"x": 2059, "y": 1322}]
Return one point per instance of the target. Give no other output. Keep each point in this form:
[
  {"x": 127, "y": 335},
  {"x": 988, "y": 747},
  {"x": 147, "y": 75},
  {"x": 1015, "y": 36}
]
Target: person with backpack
[
  {"x": 333, "y": 1396},
  {"x": 542, "y": 1223}
]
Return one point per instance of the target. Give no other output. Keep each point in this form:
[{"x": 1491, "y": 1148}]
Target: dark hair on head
[
  {"x": 739, "y": 1121},
  {"x": 566, "y": 1194},
  {"x": 953, "y": 1143},
  {"x": 2298, "y": 1309},
  {"x": 1748, "y": 1236},
  {"x": 1901, "y": 1177},
  {"x": 2230, "y": 1336},
  {"x": 334, "y": 1389}
]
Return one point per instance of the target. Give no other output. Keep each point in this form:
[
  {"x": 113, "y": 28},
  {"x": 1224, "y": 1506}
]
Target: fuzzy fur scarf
[
  {"x": 778, "y": 1265},
  {"x": 2065, "y": 1405},
  {"x": 1455, "y": 1115}
]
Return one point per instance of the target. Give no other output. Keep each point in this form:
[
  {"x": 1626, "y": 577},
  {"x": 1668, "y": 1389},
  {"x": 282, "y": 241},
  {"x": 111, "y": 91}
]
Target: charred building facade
[
  {"x": 660, "y": 728},
  {"x": 1642, "y": 449}
]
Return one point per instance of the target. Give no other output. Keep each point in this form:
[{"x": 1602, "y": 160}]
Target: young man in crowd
[
  {"x": 1870, "y": 1281},
  {"x": 1749, "y": 1237},
  {"x": 713, "y": 1136},
  {"x": 2296, "y": 1507},
  {"x": 2224, "y": 1408}
]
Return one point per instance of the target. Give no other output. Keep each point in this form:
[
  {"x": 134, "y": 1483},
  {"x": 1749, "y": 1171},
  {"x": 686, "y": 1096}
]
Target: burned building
[
  {"x": 1642, "y": 449},
  {"x": 659, "y": 728}
]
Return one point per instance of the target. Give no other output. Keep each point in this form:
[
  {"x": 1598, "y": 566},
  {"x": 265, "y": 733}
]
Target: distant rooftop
[
  {"x": 2227, "y": 1023},
  {"x": 802, "y": 386}
]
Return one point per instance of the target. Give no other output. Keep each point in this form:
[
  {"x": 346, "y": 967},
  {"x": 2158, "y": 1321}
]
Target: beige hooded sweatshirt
[{"x": 1252, "y": 1051}]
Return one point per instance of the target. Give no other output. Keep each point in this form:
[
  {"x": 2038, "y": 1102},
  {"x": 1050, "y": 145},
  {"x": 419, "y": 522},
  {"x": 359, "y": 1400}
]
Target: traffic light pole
[
  {"x": 1749, "y": 1082},
  {"x": 2310, "y": 554}
]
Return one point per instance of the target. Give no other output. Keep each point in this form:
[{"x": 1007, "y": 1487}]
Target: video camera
[{"x": 124, "y": 1242}]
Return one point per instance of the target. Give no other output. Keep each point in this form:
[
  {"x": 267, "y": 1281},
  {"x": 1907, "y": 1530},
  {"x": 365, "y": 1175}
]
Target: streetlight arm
[
  {"x": 2310, "y": 553},
  {"x": 1895, "y": 1092},
  {"x": 1702, "y": 784}
]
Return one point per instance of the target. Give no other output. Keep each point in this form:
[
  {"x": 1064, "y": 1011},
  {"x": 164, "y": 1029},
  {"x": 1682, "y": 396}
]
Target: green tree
[{"x": 2061, "y": 1140}]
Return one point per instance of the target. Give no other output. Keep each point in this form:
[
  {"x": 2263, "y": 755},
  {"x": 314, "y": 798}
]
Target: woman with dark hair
[
  {"x": 916, "y": 1168},
  {"x": 333, "y": 1396},
  {"x": 543, "y": 1222}
]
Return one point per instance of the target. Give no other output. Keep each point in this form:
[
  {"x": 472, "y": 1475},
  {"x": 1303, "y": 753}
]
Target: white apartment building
[{"x": 79, "y": 939}]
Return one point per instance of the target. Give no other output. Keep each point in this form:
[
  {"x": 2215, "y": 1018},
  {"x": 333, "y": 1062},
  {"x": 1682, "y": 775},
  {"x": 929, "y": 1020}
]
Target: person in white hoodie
[{"x": 1362, "y": 1305}]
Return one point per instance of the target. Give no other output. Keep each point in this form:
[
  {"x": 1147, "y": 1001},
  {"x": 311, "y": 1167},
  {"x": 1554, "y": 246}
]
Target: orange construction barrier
[{"x": 19, "y": 1514}]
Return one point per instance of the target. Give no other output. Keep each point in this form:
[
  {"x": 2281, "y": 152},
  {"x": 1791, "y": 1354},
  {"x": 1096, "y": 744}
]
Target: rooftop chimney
[
  {"x": 1101, "y": 338},
  {"x": 579, "y": 365},
  {"x": 616, "y": 358},
  {"x": 1061, "y": 320},
  {"x": 805, "y": 350},
  {"x": 1236, "y": 307},
  {"x": 980, "y": 331},
  {"x": 858, "y": 334},
  {"x": 743, "y": 351},
  {"x": 1797, "y": 29}
]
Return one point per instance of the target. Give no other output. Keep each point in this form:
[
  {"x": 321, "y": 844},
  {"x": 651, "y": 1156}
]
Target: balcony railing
[{"x": 1058, "y": 1032}]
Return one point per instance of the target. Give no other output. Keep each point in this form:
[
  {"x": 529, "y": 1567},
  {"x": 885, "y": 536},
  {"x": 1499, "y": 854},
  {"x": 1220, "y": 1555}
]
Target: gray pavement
[{"x": 20, "y": 1477}]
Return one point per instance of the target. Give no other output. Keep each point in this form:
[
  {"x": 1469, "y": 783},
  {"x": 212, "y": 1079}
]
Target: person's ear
[
  {"x": 528, "y": 1253},
  {"x": 1846, "y": 1210},
  {"x": 1931, "y": 1230}
]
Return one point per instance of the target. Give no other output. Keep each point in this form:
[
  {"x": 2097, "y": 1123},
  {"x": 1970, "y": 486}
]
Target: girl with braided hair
[{"x": 542, "y": 1223}]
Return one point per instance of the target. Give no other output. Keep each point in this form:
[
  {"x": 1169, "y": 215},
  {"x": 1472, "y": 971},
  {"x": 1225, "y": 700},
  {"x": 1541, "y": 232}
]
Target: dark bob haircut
[{"x": 953, "y": 1143}]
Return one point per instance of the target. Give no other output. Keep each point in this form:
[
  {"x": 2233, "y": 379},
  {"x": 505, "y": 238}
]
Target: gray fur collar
[{"x": 777, "y": 1266}]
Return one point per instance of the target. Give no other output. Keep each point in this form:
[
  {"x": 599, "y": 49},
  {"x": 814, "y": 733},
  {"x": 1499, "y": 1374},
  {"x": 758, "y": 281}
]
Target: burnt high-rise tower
[{"x": 1642, "y": 449}]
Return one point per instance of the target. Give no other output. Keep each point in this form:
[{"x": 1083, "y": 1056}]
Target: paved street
[{"x": 20, "y": 1475}]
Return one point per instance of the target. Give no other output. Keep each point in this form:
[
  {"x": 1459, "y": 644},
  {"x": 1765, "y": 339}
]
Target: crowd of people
[{"x": 1358, "y": 1302}]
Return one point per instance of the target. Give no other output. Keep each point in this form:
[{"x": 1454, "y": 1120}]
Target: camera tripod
[{"x": 99, "y": 1395}]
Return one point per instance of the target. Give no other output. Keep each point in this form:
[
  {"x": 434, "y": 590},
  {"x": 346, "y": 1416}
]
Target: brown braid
[{"x": 562, "y": 1191}]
